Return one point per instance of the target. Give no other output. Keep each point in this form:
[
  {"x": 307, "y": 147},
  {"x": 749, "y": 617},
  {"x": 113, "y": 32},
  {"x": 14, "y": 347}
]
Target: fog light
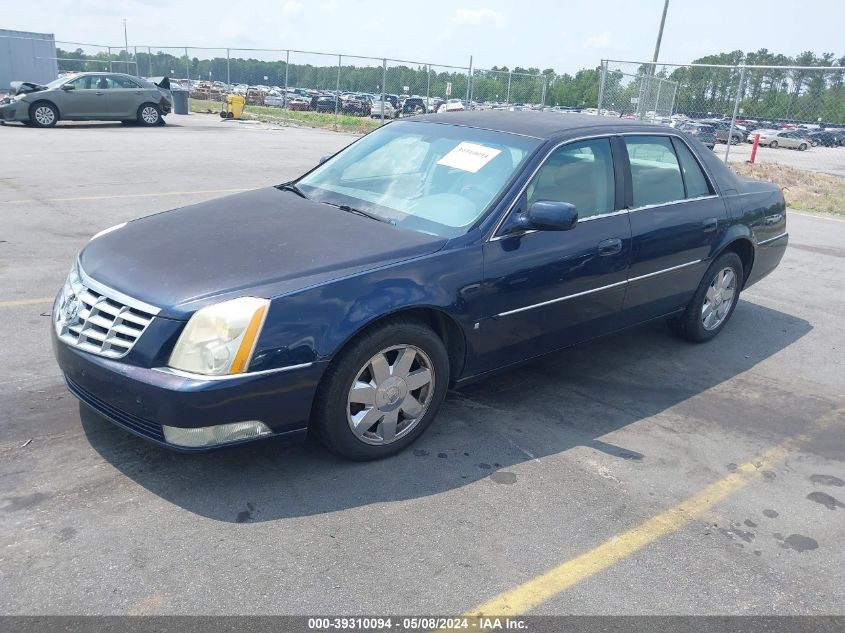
[{"x": 214, "y": 435}]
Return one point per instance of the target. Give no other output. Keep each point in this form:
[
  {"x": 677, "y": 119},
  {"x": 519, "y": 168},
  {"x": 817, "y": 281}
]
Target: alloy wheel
[
  {"x": 149, "y": 114},
  {"x": 390, "y": 394},
  {"x": 44, "y": 115},
  {"x": 719, "y": 298}
]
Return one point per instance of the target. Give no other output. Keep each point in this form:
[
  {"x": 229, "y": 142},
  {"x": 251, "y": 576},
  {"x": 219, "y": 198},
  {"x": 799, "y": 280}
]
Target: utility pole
[
  {"x": 653, "y": 68},
  {"x": 126, "y": 45},
  {"x": 660, "y": 34}
]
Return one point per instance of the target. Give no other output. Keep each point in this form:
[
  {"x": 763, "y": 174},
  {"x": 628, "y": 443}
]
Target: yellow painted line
[
  {"x": 524, "y": 597},
  {"x": 25, "y": 302},
  {"x": 125, "y": 195}
]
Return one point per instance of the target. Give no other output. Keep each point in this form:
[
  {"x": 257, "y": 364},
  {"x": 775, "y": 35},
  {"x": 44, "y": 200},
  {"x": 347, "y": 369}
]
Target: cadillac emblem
[{"x": 69, "y": 311}]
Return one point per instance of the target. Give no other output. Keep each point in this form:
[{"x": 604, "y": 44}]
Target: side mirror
[
  {"x": 323, "y": 159},
  {"x": 68, "y": 87},
  {"x": 546, "y": 215}
]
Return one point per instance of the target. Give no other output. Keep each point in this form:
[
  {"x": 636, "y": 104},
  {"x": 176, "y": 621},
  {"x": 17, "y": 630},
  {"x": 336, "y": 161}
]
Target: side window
[
  {"x": 580, "y": 174},
  {"x": 82, "y": 83},
  {"x": 116, "y": 81},
  {"x": 655, "y": 172},
  {"x": 694, "y": 178}
]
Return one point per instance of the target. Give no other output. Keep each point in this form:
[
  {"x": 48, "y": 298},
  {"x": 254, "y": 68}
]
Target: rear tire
[
  {"x": 43, "y": 114},
  {"x": 773, "y": 144},
  {"x": 375, "y": 364},
  {"x": 714, "y": 301},
  {"x": 149, "y": 114}
]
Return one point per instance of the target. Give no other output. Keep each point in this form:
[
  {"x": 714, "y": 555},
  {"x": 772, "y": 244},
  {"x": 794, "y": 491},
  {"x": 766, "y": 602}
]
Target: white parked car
[
  {"x": 274, "y": 99},
  {"x": 452, "y": 105},
  {"x": 378, "y": 105},
  {"x": 793, "y": 139}
]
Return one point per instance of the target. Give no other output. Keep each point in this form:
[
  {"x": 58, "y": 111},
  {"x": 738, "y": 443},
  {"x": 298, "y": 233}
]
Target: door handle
[
  {"x": 99, "y": 93},
  {"x": 139, "y": 92},
  {"x": 613, "y": 246},
  {"x": 710, "y": 225}
]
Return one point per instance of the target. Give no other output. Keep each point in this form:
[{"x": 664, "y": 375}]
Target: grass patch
[
  {"x": 804, "y": 190},
  {"x": 280, "y": 116}
]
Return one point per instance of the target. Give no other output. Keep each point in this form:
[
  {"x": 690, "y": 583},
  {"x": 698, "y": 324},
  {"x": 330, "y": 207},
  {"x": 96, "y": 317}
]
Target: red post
[{"x": 754, "y": 147}]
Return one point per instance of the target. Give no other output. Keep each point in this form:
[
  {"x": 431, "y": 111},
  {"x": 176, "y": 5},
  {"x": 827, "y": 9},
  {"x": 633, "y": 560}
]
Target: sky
[{"x": 565, "y": 35}]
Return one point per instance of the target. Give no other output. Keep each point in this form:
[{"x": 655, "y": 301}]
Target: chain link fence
[
  {"x": 273, "y": 80},
  {"x": 513, "y": 90},
  {"x": 781, "y": 123}
]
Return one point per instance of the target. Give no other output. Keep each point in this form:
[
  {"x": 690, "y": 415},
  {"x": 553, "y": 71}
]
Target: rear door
[
  {"x": 124, "y": 97},
  {"x": 676, "y": 220},
  {"x": 544, "y": 290}
]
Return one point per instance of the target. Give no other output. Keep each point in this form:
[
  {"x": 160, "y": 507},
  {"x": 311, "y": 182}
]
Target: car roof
[{"x": 541, "y": 125}]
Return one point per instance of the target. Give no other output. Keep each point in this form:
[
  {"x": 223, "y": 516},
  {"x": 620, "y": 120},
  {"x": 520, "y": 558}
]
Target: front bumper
[
  {"x": 14, "y": 111},
  {"x": 141, "y": 400}
]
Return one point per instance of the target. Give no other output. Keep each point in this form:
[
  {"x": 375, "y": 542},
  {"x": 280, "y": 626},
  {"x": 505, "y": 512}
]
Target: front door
[
  {"x": 676, "y": 219},
  {"x": 544, "y": 290},
  {"x": 87, "y": 99}
]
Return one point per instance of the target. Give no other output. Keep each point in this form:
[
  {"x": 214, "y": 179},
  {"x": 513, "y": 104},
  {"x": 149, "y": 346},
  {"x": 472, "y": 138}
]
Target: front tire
[
  {"x": 713, "y": 302},
  {"x": 149, "y": 114},
  {"x": 382, "y": 391},
  {"x": 802, "y": 147},
  {"x": 43, "y": 114}
]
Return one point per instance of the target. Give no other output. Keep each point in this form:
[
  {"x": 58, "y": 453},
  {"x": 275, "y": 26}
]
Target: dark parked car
[
  {"x": 723, "y": 129},
  {"x": 826, "y": 139},
  {"x": 705, "y": 133},
  {"x": 357, "y": 105},
  {"x": 326, "y": 103},
  {"x": 412, "y": 106},
  {"x": 429, "y": 253},
  {"x": 89, "y": 97}
]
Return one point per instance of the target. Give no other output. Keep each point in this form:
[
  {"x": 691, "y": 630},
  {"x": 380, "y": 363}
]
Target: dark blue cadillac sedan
[{"x": 429, "y": 253}]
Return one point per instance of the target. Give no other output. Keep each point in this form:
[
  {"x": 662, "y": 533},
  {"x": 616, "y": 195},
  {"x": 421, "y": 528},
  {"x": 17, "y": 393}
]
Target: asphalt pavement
[{"x": 679, "y": 478}]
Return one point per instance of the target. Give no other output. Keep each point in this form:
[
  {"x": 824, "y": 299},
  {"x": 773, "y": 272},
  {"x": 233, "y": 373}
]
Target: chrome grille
[{"x": 96, "y": 319}]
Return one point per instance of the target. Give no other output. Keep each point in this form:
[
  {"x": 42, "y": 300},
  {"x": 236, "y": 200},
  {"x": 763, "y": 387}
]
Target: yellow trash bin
[{"x": 233, "y": 107}]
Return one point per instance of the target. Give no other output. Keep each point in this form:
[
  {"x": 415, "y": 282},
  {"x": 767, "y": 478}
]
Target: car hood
[
  {"x": 23, "y": 87},
  {"x": 266, "y": 243}
]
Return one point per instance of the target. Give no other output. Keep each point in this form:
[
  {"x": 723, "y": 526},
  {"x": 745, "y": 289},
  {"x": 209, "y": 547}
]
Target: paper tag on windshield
[{"x": 469, "y": 157}]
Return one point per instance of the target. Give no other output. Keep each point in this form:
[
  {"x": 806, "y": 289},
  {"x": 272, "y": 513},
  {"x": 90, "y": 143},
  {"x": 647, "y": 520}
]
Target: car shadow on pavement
[{"x": 567, "y": 399}]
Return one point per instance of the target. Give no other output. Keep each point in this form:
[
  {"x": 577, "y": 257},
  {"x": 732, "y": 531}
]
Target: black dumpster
[{"x": 180, "y": 101}]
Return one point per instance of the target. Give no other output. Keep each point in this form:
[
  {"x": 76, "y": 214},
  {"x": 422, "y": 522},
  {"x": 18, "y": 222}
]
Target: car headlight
[
  {"x": 220, "y": 339},
  {"x": 73, "y": 285}
]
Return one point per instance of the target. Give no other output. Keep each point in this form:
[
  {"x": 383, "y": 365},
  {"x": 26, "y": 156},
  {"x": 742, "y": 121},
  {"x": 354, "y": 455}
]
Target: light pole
[
  {"x": 656, "y": 53},
  {"x": 660, "y": 33},
  {"x": 126, "y": 45}
]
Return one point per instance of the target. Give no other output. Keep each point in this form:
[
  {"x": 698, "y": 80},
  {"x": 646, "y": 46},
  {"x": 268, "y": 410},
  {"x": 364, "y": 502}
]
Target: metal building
[{"x": 27, "y": 57}]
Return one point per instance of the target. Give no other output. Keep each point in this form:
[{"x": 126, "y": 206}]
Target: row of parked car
[
  {"x": 769, "y": 134},
  {"x": 361, "y": 104}
]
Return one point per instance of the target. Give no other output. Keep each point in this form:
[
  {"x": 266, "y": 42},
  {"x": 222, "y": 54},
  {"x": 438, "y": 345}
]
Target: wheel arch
[
  {"x": 441, "y": 322},
  {"x": 48, "y": 101},
  {"x": 744, "y": 248}
]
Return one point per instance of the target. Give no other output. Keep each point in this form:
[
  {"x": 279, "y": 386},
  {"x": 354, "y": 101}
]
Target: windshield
[
  {"x": 58, "y": 82},
  {"x": 429, "y": 177}
]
